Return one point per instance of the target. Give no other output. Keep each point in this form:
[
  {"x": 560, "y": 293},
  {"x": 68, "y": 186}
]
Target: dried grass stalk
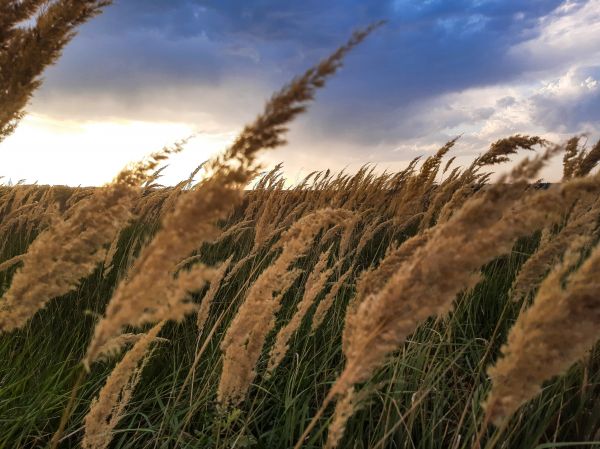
[
  {"x": 237, "y": 228},
  {"x": 11, "y": 262},
  {"x": 571, "y": 158},
  {"x": 533, "y": 271},
  {"x": 349, "y": 228},
  {"x": 192, "y": 220},
  {"x": 314, "y": 284},
  {"x": 107, "y": 410},
  {"x": 266, "y": 223},
  {"x": 67, "y": 252},
  {"x": 26, "y": 51},
  {"x": 326, "y": 303},
  {"x": 426, "y": 284},
  {"x": 143, "y": 297},
  {"x": 373, "y": 280},
  {"x": 207, "y": 301},
  {"x": 472, "y": 180},
  {"x": 554, "y": 333},
  {"x": 72, "y": 248},
  {"x": 589, "y": 160},
  {"x": 500, "y": 150},
  {"x": 484, "y": 228},
  {"x": 245, "y": 337},
  {"x": 369, "y": 233},
  {"x": 174, "y": 304},
  {"x": 344, "y": 409},
  {"x": 113, "y": 347},
  {"x": 110, "y": 255}
]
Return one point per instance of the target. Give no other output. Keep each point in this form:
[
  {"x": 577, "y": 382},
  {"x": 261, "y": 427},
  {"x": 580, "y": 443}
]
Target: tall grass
[
  {"x": 434, "y": 310},
  {"x": 437, "y": 375}
]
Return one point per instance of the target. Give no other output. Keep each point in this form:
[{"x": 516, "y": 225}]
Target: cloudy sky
[{"x": 150, "y": 72}]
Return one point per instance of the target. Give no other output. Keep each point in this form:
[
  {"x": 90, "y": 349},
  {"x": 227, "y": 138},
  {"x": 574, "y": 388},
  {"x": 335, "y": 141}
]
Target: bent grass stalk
[
  {"x": 314, "y": 284},
  {"x": 106, "y": 410},
  {"x": 484, "y": 228},
  {"x": 192, "y": 220},
  {"x": 555, "y": 332},
  {"x": 73, "y": 246},
  {"x": 417, "y": 279},
  {"x": 244, "y": 340}
]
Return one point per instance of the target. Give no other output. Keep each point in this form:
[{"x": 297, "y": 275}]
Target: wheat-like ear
[
  {"x": 192, "y": 219},
  {"x": 73, "y": 246},
  {"x": 550, "y": 336},
  {"x": 28, "y": 50},
  {"x": 426, "y": 284},
  {"x": 314, "y": 284},
  {"x": 245, "y": 337},
  {"x": 107, "y": 409}
]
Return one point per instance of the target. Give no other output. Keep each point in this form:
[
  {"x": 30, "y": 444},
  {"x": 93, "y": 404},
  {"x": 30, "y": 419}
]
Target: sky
[{"x": 148, "y": 73}]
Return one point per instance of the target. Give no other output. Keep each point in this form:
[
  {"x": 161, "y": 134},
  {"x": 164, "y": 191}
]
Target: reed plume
[
  {"x": 589, "y": 160},
  {"x": 107, "y": 409},
  {"x": 500, "y": 150},
  {"x": 11, "y": 262},
  {"x": 245, "y": 337},
  {"x": 326, "y": 303},
  {"x": 26, "y": 51},
  {"x": 553, "y": 334},
  {"x": 166, "y": 299},
  {"x": 268, "y": 129},
  {"x": 314, "y": 284},
  {"x": 374, "y": 279},
  {"x": 208, "y": 298},
  {"x": 484, "y": 228},
  {"x": 265, "y": 225},
  {"x": 192, "y": 220},
  {"x": 417, "y": 188},
  {"x": 72, "y": 248},
  {"x": 472, "y": 180},
  {"x": 582, "y": 224},
  {"x": 113, "y": 347},
  {"x": 349, "y": 228},
  {"x": 426, "y": 284},
  {"x": 572, "y": 158},
  {"x": 344, "y": 409}
]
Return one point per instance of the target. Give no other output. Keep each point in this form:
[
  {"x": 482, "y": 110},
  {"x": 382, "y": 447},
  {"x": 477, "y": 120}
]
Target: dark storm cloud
[{"x": 179, "y": 57}]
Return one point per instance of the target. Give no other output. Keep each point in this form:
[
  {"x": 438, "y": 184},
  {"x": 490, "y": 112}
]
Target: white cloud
[{"x": 569, "y": 35}]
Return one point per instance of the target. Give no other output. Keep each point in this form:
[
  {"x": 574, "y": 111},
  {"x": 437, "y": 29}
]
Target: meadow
[{"x": 426, "y": 308}]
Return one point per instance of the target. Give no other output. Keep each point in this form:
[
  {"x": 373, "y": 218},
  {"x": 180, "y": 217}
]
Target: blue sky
[{"x": 484, "y": 69}]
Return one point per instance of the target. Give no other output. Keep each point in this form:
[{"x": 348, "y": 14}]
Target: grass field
[
  {"x": 428, "y": 308},
  {"x": 426, "y": 394}
]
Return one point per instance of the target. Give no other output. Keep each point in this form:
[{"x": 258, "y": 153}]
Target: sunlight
[{"x": 49, "y": 151}]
